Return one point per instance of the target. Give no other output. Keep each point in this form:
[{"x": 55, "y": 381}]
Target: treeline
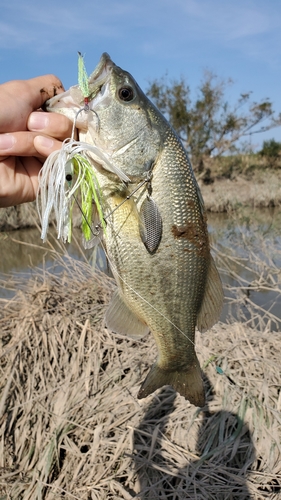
[{"x": 211, "y": 127}]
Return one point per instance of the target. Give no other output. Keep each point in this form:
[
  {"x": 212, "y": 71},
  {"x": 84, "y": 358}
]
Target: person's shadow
[{"x": 220, "y": 464}]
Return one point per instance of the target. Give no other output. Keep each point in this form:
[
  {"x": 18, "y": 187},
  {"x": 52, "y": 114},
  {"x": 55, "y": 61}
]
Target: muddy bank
[
  {"x": 26, "y": 216},
  {"x": 263, "y": 190},
  {"x": 18, "y": 217},
  {"x": 220, "y": 195}
]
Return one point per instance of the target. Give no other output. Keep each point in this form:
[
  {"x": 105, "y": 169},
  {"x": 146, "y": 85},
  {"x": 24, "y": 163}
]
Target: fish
[{"x": 156, "y": 236}]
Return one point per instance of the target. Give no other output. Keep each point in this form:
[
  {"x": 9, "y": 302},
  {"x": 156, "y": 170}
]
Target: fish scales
[{"x": 173, "y": 286}]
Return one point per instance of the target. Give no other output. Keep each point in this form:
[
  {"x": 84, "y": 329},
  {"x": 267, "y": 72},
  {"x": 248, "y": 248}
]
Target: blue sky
[{"x": 149, "y": 38}]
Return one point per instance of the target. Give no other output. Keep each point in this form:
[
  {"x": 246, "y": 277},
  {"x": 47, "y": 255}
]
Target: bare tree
[{"x": 209, "y": 125}]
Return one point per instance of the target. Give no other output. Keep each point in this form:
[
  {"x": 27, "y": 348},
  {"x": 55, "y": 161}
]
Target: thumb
[{"x": 46, "y": 145}]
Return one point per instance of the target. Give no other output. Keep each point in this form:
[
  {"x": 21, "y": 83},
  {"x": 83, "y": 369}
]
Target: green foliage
[
  {"x": 208, "y": 125},
  {"x": 271, "y": 151},
  {"x": 228, "y": 167}
]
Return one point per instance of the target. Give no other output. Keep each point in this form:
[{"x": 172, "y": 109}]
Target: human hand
[{"x": 27, "y": 136}]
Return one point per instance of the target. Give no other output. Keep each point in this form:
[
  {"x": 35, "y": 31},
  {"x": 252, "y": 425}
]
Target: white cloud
[
  {"x": 40, "y": 29},
  {"x": 11, "y": 36},
  {"x": 225, "y": 20},
  {"x": 156, "y": 28}
]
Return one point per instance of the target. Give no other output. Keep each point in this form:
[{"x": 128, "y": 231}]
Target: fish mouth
[
  {"x": 100, "y": 73},
  {"x": 71, "y": 101}
]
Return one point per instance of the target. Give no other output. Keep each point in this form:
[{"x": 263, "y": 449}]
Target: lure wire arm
[{"x": 98, "y": 227}]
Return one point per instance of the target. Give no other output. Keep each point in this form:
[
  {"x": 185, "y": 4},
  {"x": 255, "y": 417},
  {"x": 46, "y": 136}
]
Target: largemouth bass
[{"x": 156, "y": 236}]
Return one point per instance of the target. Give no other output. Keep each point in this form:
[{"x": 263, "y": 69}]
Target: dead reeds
[
  {"x": 72, "y": 427},
  {"x": 249, "y": 259},
  {"x": 261, "y": 191}
]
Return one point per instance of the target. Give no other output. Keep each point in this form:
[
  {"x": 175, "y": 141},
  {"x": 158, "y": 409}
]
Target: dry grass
[
  {"x": 71, "y": 425},
  {"x": 261, "y": 191},
  {"x": 249, "y": 259}
]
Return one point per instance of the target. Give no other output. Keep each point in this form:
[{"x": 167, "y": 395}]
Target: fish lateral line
[
  {"x": 98, "y": 227},
  {"x": 142, "y": 298},
  {"x": 128, "y": 132}
]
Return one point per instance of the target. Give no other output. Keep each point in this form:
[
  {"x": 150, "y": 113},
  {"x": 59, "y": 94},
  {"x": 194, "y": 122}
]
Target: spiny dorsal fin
[{"x": 212, "y": 301}]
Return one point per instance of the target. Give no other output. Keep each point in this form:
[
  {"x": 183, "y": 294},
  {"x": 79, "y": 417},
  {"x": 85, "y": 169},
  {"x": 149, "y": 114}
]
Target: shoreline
[{"x": 262, "y": 190}]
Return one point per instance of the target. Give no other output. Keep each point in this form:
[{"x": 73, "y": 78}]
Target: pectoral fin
[
  {"x": 121, "y": 320},
  {"x": 150, "y": 225},
  {"x": 213, "y": 300},
  {"x": 94, "y": 240}
]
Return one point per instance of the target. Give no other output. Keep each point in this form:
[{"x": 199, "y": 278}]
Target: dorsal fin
[{"x": 212, "y": 301}]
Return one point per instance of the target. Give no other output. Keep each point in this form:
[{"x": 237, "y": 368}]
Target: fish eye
[{"x": 126, "y": 94}]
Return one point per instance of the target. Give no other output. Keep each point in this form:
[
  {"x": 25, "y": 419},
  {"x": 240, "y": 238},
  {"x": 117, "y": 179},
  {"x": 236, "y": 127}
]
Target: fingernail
[
  {"x": 7, "y": 141},
  {"x": 38, "y": 121},
  {"x": 44, "y": 142}
]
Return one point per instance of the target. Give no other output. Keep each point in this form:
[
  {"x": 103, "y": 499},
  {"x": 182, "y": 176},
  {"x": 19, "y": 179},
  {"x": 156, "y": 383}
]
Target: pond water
[
  {"x": 246, "y": 246},
  {"x": 23, "y": 254}
]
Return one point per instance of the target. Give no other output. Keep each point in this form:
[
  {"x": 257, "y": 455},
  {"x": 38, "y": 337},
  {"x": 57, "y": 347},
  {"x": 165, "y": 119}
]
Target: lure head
[
  {"x": 73, "y": 100},
  {"x": 69, "y": 172},
  {"x": 121, "y": 120}
]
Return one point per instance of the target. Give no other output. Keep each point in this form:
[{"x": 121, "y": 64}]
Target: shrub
[{"x": 271, "y": 151}]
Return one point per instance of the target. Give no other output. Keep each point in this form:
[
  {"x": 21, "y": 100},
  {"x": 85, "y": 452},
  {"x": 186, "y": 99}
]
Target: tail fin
[{"x": 187, "y": 381}]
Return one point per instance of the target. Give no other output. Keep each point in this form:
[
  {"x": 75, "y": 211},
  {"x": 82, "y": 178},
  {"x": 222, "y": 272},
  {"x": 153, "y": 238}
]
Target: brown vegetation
[
  {"x": 72, "y": 427},
  {"x": 229, "y": 182},
  {"x": 226, "y": 183},
  {"x": 224, "y": 195}
]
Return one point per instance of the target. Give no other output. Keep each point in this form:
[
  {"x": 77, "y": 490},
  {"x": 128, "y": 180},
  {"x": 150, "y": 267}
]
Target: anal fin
[{"x": 120, "y": 319}]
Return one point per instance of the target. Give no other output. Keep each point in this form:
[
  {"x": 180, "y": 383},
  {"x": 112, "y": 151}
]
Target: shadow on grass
[{"x": 217, "y": 470}]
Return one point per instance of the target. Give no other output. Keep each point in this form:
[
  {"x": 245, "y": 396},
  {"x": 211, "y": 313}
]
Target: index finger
[
  {"x": 18, "y": 98},
  {"x": 43, "y": 88}
]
